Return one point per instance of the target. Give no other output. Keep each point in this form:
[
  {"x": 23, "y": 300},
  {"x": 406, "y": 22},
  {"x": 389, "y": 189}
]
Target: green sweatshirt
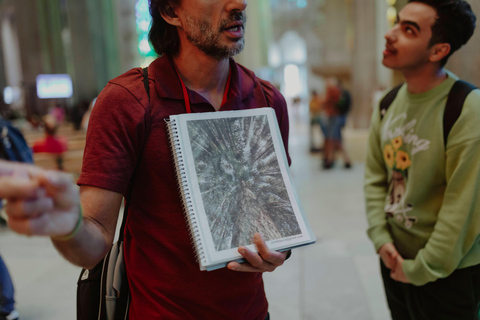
[{"x": 421, "y": 197}]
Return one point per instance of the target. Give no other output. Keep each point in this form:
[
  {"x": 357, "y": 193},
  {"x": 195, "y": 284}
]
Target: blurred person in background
[
  {"x": 422, "y": 190},
  {"x": 315, "y": 111},
  {"x": 51, "y": 143},
  {"x": 196, "y": 40},
  {"x": 332, "y": 96},
  {"x": 58, "y": 113},
  {"x": 343, "y": 107}
]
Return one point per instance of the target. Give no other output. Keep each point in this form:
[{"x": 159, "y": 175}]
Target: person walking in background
[
  {"x": 422, "y": 176},
  {"x": 343, "y": 106},
  {"x": 315, "y": 111},
  {"x": 332, "y": 96}
]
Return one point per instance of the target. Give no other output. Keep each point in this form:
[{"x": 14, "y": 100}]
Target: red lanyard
[{"x": 185, "y": 92}]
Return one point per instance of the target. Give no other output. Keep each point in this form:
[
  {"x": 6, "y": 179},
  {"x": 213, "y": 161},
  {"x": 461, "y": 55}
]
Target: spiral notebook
[{"x": 234, "y": 181}]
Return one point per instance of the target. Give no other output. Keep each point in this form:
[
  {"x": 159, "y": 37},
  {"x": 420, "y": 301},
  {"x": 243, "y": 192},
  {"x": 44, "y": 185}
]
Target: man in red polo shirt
[{"x": 197, "y": 39}]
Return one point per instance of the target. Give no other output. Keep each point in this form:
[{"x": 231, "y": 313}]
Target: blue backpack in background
[{"x": 13, "y": 146}]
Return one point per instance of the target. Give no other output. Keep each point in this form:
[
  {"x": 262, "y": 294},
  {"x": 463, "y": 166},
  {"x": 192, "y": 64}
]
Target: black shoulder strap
[
  {"x": 145, "y": 82},
  {"x": 388, "y": 99},
  {"x": 453, "y": 108},
  {"x": 127, "y": 202}
]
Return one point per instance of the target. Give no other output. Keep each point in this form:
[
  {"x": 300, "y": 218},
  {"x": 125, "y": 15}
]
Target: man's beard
[{"x": 203, "y": 35}]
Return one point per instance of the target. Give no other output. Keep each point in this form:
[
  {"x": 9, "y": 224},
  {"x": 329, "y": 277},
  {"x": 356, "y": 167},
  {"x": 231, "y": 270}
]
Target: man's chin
[{"x": 388, "y": 64}]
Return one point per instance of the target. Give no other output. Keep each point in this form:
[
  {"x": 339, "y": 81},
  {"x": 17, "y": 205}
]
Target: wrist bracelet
[{"x": 75, "y": 230}]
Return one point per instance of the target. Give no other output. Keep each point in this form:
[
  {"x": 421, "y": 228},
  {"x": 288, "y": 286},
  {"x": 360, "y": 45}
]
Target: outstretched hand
[
  {"x": 265, "y": 260},
  {"x": 39, "y": 202}
]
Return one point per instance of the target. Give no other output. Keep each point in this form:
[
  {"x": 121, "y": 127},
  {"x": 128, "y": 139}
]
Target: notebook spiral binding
[{"x": 184, "y": 189}]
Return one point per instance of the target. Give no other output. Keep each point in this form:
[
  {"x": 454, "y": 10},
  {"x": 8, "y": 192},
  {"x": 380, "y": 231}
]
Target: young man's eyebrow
[
  {"x": 411, "y": 23},
  {"x": 408, "y": 22}
]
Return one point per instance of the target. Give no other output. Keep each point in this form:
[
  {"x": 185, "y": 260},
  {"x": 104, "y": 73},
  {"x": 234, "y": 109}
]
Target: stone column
[
  {"x": 84, "y": 71},
  {"x": 384, "y": 75},
  {"x": 127, "y": 40},
  {"x": 364, "y": 62}
]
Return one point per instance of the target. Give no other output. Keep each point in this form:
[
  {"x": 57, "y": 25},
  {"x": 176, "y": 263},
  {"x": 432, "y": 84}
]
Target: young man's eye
[{"x": 409, "y": 30}]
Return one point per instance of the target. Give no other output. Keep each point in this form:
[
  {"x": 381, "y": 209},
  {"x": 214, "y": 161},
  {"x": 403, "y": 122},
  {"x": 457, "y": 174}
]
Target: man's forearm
[{"x": 87, "y": 248}]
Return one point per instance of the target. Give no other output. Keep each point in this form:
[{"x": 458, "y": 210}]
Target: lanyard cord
[{"x": 185, "y": 92}]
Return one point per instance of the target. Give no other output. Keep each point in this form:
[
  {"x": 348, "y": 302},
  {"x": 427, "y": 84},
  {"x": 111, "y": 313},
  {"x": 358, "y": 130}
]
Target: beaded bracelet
[{"x": 75, "y": 230}]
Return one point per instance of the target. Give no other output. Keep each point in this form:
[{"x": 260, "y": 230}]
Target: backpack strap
[
  {"x": 456, "y": 98},
  {"x": 388, "y": 99}
]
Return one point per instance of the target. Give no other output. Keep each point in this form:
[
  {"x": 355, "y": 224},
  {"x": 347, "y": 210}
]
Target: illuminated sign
[{"x": 51, "y": 86}]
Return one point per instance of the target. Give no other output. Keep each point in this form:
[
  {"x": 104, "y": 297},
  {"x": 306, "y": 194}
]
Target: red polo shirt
[{"x": 164, "y": 278}]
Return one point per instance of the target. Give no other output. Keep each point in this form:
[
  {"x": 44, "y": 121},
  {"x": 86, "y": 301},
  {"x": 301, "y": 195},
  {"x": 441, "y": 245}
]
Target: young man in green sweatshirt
[{"x": 423, "y": 191}]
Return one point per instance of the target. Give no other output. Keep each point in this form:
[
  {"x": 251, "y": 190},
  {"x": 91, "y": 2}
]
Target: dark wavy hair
[
  {"x": 455, "y": 23},
  {"x": 163, "y": 36}
]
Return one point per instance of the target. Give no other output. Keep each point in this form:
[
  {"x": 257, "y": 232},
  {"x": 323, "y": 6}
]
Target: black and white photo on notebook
[{"x": 235, "y": 181}]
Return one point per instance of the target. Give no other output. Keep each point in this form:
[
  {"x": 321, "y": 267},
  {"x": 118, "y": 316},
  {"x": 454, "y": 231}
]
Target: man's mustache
[{"x": 234, "y": 17}]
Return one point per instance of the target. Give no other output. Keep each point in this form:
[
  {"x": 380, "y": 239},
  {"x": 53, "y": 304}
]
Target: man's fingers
[
  {"x": 274, "y": 257},
  {"x": 57, "y": 223},
  {"x": 252, "y": 257},
  {"x": 21, "y": 226},
  {"x": 11, "y": 187},
  {"x": 247, "y": 267},
  {"x": 52, "y": 224},
  {"x": 9, "y": 168},
  {"x": 61, "y": 187},
  {"x": 21, "y": 209}
]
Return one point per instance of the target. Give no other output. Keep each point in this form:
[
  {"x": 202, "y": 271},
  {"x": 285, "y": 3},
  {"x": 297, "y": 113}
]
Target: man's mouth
[
  {"x": 389, "y": 50},
  {"x": 235, "y": 29}
]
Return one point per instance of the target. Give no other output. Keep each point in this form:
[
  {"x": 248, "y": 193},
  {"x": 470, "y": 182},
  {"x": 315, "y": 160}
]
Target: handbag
[{"x": 103, "y": 292}]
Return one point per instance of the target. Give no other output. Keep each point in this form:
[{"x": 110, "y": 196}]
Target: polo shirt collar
[{"x": 168, "y": 84}]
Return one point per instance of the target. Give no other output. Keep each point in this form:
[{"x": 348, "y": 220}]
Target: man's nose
[
  {"x": 236, "y": 5},
  {"x": 391, "y": 36}
]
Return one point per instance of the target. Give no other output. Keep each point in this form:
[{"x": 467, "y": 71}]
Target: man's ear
[
  {"x": 170, "y": 16},
  {"x": 439, "y": 51}
]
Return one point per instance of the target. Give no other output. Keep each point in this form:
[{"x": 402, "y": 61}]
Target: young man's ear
[
  {"x": 439, "y": 51},
  {"x": 170, "y": 16}
]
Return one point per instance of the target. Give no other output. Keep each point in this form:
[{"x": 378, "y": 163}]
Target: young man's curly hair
[{"x": 455, "y": 23}]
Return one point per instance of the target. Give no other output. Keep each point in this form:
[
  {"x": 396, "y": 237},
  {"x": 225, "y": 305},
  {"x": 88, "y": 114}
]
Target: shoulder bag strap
[{"x": 127, "y": 199}]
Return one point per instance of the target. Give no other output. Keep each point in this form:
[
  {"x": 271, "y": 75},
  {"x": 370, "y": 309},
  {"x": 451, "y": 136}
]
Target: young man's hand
[
  {"x": 265, "y": 260},
  {"x": 39, "y": 202},
  {"x": 388, "y": 253},
  {"x": 397, "y": 273}
]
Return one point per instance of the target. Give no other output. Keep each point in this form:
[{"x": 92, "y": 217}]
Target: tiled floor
[{"x": 335, "y": 279}]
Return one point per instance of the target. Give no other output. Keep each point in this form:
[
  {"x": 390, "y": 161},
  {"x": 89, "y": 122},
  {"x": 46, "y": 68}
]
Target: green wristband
[{"x": 75, "y": 230}]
